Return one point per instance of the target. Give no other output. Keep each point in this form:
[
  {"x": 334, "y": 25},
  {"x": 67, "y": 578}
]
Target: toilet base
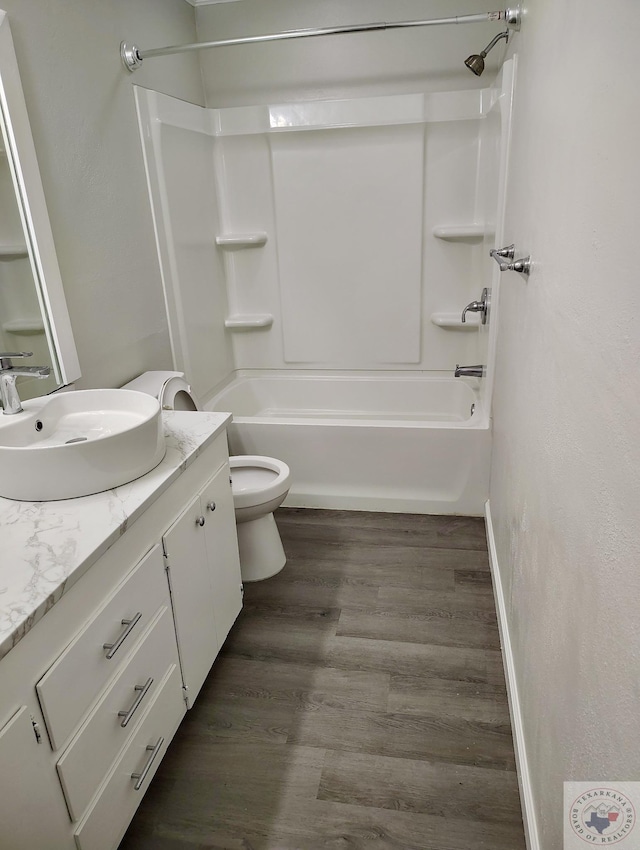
[{"x": 260, "y": 547}]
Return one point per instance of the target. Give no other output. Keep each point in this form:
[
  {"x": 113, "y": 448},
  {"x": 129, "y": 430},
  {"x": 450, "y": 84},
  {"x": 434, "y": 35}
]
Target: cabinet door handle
[
  {"x": 140, "y": 777},
  {"x": 114, "y": 647},
  {"x": 200, "y": 521},
  {"x": 127, "y": 715},
  {"x": 211, "y": 506}
]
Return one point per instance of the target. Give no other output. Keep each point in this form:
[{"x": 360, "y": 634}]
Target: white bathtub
[{"x": 384, "y": 443}]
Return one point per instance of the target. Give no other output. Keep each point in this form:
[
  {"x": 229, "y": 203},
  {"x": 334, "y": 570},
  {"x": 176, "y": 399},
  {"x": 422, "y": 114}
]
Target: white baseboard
[{"x": 522, "y": 764}]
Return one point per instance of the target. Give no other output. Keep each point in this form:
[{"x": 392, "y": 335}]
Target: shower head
[{"x": 475, "y": 62}]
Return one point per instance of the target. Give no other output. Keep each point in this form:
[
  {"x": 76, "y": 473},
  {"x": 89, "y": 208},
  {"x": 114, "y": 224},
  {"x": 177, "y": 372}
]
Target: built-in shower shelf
[
  {"x": 237, "y": 241},
  {"x": 453, "y": 321},
  {"x": 13, "y": 252},
  {"x": 462, "y": 232},
  {"x": 25, "y": 327},
  {"x": 248, "y": 321}
]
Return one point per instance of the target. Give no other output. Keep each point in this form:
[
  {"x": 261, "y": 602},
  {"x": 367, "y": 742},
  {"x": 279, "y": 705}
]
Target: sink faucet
[
  {"x": 8, "y": 374},
  {"x": 469, "y": 371},
  {"x": 481, "y": 306}
]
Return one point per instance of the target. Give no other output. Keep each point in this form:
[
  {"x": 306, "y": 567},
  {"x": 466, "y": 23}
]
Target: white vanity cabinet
[
  {"x": 203, "y": 566},
  {"x": 26, "y": 789},
  {"x": 93, "y": 693}
]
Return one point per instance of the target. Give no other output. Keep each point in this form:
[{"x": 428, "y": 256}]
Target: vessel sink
[{"x": 77, "y": 443}]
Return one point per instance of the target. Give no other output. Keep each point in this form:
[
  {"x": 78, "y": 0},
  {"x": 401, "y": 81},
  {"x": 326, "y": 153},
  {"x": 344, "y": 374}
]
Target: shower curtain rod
[{"x": 132, "y": 56}]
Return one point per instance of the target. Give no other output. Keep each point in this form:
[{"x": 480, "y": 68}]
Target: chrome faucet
[
  {"x": 481, "y": 306},
  {"x": 8, "y": 374},
  {"x": 469, "y": 371}
]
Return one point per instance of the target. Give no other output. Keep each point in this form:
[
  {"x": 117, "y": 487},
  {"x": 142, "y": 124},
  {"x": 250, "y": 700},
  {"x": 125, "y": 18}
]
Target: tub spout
[{"x": 469, "y": 371}]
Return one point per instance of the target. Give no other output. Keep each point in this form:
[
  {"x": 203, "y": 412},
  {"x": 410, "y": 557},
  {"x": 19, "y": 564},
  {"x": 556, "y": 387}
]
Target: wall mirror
[{"x": 33, "y": 311}]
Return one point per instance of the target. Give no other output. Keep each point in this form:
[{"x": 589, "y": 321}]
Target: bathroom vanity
[{"x": 113, "y": 608}]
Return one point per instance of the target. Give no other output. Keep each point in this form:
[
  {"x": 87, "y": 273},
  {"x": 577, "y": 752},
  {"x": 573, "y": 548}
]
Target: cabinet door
[
  {"x": 192, "y": 596},
  {"x": 32, "y": 811},
  {"x": 222, "y": 547}
]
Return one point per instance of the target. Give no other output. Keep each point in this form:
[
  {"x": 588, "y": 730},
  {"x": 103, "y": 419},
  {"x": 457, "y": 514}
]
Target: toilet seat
[{"x": 257, "y": 480}]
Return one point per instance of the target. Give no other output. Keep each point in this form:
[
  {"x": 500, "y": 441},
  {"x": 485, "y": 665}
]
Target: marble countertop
[{"x": 45, "y": 547}]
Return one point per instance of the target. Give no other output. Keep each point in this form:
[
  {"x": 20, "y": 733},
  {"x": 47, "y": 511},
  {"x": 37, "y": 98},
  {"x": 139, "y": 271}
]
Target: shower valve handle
[{"x": 481, "y": 307}]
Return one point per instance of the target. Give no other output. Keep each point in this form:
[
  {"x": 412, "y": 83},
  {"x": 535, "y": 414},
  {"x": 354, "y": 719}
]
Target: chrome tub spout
[{"x": 469, "y": 372}]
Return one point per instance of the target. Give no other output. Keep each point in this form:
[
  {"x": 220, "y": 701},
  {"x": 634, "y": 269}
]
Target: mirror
[{"x": 33, "y": 311}]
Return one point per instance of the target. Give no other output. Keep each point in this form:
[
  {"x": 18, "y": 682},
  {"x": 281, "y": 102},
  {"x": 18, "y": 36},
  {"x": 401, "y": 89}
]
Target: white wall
[
  {"x": 82, "y": 113},
  {"x": 565, "y": 491},
  {"x": 339, "y": 66}
]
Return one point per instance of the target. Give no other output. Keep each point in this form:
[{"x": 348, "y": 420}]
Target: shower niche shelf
[
  {"x": 248, "y": 321},
  {"x": 453, "y": 322},
  {"x": 462, "y": 232},
  {"x": 25, "y": 327},
  {"x": 237, "y": 241},
  {"x": 13, "y": 252}
]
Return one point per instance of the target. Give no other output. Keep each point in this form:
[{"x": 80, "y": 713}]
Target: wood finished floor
[{"x": 359, "y": 702}]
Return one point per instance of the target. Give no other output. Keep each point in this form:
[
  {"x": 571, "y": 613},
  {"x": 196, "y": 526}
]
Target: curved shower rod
[{"x": 132, "y": 56}]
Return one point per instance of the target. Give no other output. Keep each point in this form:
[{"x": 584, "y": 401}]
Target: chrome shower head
[{"x": 475, "y": 62}]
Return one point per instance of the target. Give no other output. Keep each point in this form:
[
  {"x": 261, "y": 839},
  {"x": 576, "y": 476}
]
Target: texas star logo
[{"x": 602, "y": 816}]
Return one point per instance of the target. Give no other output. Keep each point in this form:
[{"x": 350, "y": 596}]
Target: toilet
[{"x": 259, "y": 484}]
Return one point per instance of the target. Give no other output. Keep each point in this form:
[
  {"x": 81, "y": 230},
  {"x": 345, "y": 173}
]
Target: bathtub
[{"x": 385, "y": 442}]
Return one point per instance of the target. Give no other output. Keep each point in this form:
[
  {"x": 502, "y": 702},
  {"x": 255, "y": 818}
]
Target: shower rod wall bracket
[
  {"x": 513, "y": 18},
  {"x": 132, "y": 56}
]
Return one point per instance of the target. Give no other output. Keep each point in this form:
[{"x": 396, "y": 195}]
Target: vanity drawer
[
  {"x": 69, "y": 687},
  {"x": 94, "y": 749},
  {"x": 107, "y": 819}
]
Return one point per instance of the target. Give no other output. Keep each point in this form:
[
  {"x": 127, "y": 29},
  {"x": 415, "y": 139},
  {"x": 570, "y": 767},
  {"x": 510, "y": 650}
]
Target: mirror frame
[{"x": 21, "y": 155}]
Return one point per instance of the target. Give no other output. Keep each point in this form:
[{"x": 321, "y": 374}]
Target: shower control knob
[
  {"x": 522, "y": 266},
  {"x": 211, "y": 506},
  {"x": 507, "y": 253},
  {"x": 200, "y": 521},
  {"x": 500, "y": 255}
]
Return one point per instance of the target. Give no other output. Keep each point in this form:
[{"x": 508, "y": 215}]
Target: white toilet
[{"x": 259, "y": 484}]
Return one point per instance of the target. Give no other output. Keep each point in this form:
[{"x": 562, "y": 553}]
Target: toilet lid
[{"x": 176, "y": 395}]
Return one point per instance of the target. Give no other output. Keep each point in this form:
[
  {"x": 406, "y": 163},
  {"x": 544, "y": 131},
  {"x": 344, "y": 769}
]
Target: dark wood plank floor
[{"x": 359, "y": 702}]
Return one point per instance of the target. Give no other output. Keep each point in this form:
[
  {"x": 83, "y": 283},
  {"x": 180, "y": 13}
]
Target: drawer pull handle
[
  {"x": 114, "y": 647},
  {"x": 211, "y": 506},
  {"x": 200, "y": 521},
  {"x": 127, "y": 715},
  {"x": 140, "y": 777}
]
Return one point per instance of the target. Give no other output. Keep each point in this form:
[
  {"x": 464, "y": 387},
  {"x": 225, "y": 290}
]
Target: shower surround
[{"x": 316, "y": 258}]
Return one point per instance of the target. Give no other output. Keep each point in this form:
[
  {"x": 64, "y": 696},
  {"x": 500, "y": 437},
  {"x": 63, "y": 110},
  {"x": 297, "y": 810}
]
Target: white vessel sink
[{"x": 77, "y": 443}]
